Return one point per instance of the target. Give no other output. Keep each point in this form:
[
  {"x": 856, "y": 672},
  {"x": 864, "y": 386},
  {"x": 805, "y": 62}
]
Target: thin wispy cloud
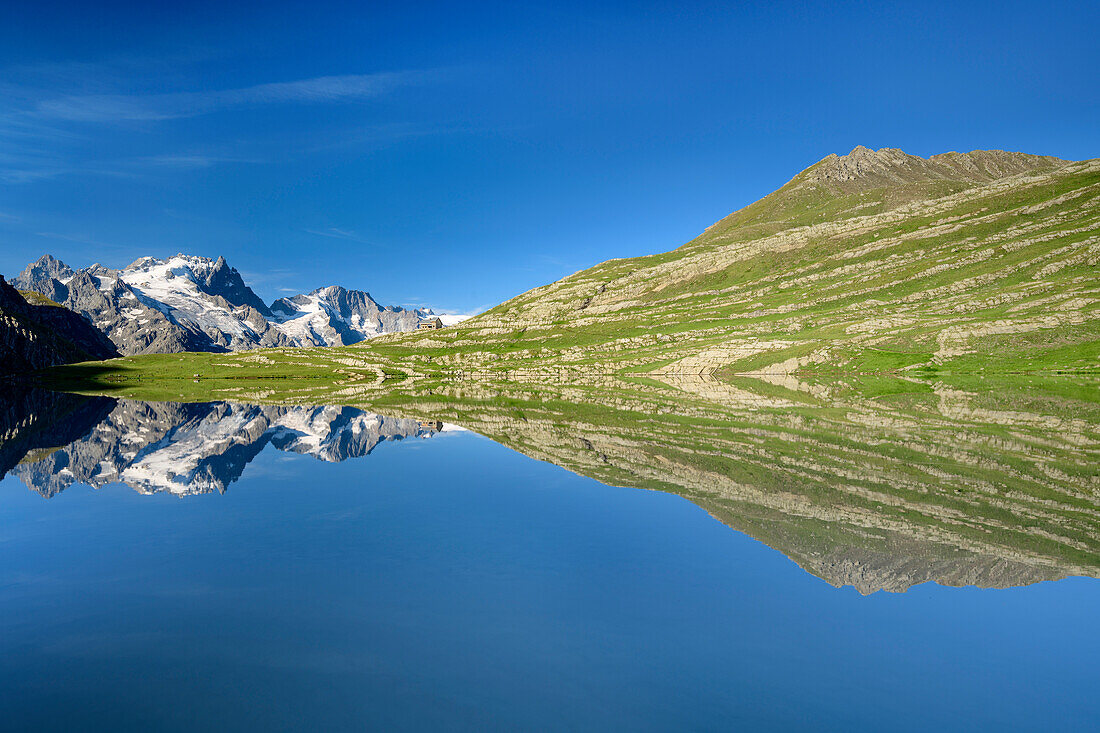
[
  {"x": 373, "y": 136},
  {"x": 15, "y": 169},
  {"x": 550, "y": 260},
  {"x": 106, "y": 108},
  {"x": 20, "y": 127},
  {"x": 189, "y": 161},
  {"x": 335, "y": 233},
  {"x": 51, "y": 118},
  {"x": 458, "y": 312},
  {"x": 109, "y": 72},
  {"x": 41, "y": 171}
]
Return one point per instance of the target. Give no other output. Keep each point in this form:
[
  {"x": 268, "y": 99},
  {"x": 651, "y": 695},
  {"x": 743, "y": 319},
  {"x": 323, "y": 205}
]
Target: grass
[{"x": 38, "y": 299}]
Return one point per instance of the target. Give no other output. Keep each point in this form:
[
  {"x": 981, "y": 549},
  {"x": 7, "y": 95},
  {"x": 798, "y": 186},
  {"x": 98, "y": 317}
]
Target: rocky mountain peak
[
  {"x": 225, "y": 281},
  {"x": 47, "y": 275},
  {"x": 861, "y": 162},
  {"x": 867, "y": 168},
  {"x": 49, "y": 265}
]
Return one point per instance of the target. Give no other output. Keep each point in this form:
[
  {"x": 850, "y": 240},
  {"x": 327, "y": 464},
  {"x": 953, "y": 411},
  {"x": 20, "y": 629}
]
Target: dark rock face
[
  {"x": 226, "y": 282},
  {"x": 38, "y": 336}
]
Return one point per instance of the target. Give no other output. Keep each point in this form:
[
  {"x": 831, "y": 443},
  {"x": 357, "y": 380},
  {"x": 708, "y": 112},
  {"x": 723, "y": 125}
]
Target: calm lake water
[{"x": 328, "y": 569}]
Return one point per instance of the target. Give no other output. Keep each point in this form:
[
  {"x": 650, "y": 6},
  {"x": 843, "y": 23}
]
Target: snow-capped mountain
[
  {"x": 334, "y": 315},
  {"x": 188, "y": 303}
]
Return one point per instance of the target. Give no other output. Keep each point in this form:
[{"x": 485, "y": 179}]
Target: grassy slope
[
  {"x": 38, "y": 299},
  {"x": 939, "y": 284}
]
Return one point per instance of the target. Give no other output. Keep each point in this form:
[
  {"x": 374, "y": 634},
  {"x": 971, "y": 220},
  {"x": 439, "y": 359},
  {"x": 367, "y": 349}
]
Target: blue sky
[{"x": 456, "y": 154}]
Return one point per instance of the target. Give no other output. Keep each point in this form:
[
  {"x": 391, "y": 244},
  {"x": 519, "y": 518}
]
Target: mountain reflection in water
[
  {"x": 880, "y": 487},
  {"x": 204, "y": 447}
]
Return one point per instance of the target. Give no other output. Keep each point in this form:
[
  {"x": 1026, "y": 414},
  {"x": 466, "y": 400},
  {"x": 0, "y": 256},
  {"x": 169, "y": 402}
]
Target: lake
[{"x": 873, "y": 557}]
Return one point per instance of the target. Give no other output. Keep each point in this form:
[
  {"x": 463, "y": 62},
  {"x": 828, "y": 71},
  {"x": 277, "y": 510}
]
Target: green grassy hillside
[
  {"x": 38, "y": 299},
  {"x": 864, "y": 274}
]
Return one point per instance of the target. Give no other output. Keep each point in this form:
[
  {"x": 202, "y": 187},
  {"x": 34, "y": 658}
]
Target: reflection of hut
[
  {"x": 429, "y": 324},
  {"x": 434, "y": 425}
]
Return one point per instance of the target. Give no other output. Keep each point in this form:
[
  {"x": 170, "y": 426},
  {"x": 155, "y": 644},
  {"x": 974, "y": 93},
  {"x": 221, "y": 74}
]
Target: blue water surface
[{"x": 452, "y": 583}]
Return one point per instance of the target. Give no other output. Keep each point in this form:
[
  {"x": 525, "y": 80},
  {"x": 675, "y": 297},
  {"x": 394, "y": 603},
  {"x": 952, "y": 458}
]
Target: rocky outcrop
[
  {"x": 891, "y": 167},
  {"x": 43, "y": 334},
  {"x": 869, "y": 571}
]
